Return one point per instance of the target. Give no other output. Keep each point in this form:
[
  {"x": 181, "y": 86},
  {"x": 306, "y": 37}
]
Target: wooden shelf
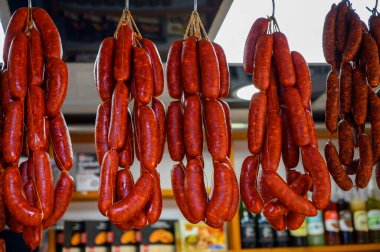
[
  {"x": 339, "y": 248},
  {"x": 93, "y": 196}
]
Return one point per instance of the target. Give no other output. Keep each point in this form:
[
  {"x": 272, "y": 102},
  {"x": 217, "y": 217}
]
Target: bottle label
[
  {"x": 374, "y": 220},
  {"x": 345, "y": 221},
  {"x": 361, "y": 221},
  {"x": 331, "y": 221},
  {"x": 315, "y": 225},
  {"x": 301, "y": 232}
]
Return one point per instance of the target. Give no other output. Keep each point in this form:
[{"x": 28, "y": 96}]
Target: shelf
[
  {"x": 93, "y": 196},
  {"x": 340, "y": 248}
]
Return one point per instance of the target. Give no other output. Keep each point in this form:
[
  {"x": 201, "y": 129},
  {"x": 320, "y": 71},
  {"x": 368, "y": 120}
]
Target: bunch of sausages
[
  {"x": 198, "y": 78},
  {"x": 33, "y": 88},
  {"x": 128, "y": 67},
  {"x": 280, "y": 122},
  {"x": 352, "y": 51}
]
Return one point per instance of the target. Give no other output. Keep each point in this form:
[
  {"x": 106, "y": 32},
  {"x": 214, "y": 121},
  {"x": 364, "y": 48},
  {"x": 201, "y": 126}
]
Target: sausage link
[
  {"x": 312, "y": 130},
  {"x": 36, "y": 58},
  {"x": 354, "y": 37},
  {"x": 159, "y": 111},
  {"x": 297, "y": 119},
  {"x": 353, "y": 168},
  {"x": 248, "y": 181},
  {"x": 227, "y": 115},
  {"x": 328, "y": 36},
  {"x": 123, "y": 53},
  {"x": 224, "y": 71},
  {"x": 107, "y": 180},
  {"x": 143, "y": 75},
  {"x": 314, "y": 164},
  {"x": 104, "y": 69},
  {"x": 262, "y": 62},
  {"x": 175, "y": 127},
  {"x": 18, "y": 61},
  {"x": 303, "y": 78},
  {"x": 235, "y": 196},
  {"x": 216, "y": 127},
  {"x": 278, "y": 223},
  {"x": 374, "y": 102},
  {"x": 35, "y": 118},
  {"x": 136, "y": 128},
  {"x": 371, "y": 54},
  {"x": 341, "y": 26},
  {"x": 360, "y": 97},
  {"x": 190, "y": 66},
  {"x": 256, "y": 122},
  {"x": 264, "y": 190},
  {"x": 346, "y": 142},
  {"x": 2, "y": 203},
  {"x": 336, "y": 169},
  {"x": 119, "y": 116},
  {"x": 192, "y": 125},
  {"x": 258, "y": 28},
  {"x": 332, "y": 102},
  {"x": 290, "y": 151},
  {"x": 345, "y": 83},
  {"x": 148, "y": 137},
  {"x": 61, "y": 141},
  {"x": 173, "y": 70},
  {"x": 272, "y": 92},
  {"x": 62, "y": 196},
  {"x": 283, "y": 60},
  {"x": 57, "y": 85},
  {"x": 102, "y": 123},
  {"x": 364, "y": 172},
  {"x": 13, "y": 130},
  {"x": 154, "y": 205},
  {"x": 209, "y": 67},
  {"x": 271, "y": 153},
  {"x": 5, "y": 93},
  {"x": 178, "y": 185},
  {"x": 292, "y": 175},
  {"x": 15, "y": 199},
  {"x": 49, "y": 33},
  {"x": 126, "y": 155},
  {"x": 195, "y": 191}
]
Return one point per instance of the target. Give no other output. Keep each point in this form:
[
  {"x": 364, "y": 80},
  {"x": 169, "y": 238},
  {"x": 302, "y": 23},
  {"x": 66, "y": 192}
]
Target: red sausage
[
  {"x": 341, "y": 26},
  {"x": 312, "y": 130},
  {"x": 126, "y": 155},
  {"x": 104, "y": 69},
  {"x": 224, "y": 71},
  {"x": 256, "y": 122},
  {"x": 360, "y": 97},
  {"x": 159, "y": 111},
  {"x": 209, "y": 66},
  {"x": 143, "y": 75},
  {"x": 148, "y": 137},
  {"x": 173, "y": 70},
  {"x": 235, "y": 196},
  {"x": 123, "y": 53},
  {"x": 136, "y": 127},
  {"x": 227, "y": 114},
  {"x": 192, "y": 125},
  {"x": 346, "y": 142},
  {"x": 175, "y": 137},
  {"x": 354, "y": 37},
  {"x": 190, "y": 66},
  {"x": 370, "y": 53},
  {"x": 303, "y": 78},
  {"x": 272, "y": 92},
  {"x": 36, "y": 58},
  {"x": 332, "y": 102},
  {"x": 283, "y": 60},
  {"x": 328, "y": 37},
  {"x": 2, "y": 203},
  {"x": 102, "y": 123},
  {"x": 290, "y": 151},
  {"x": 5, "y": 93},
  {"x": 262, "y": 62},
  {"x": 35, "y": 118},
  {"x": 271, "y": 153},
  {"x": 154, "y": 205},
  {"x": 374, "y": 102},
  {"x": 345, "y": 85},
  {"x": 364, "y": 172}
]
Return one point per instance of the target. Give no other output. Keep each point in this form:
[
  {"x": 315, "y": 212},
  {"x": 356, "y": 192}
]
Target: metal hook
[
  {"x": 195, "y": 5},
  {"x": 273, "y": 7},
  {"x": 126, "y": 5},
  {"x": 29, "y": 4}
]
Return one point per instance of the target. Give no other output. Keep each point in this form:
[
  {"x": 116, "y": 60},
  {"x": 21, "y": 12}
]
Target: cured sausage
[
  {"x": 6, "y": 98},
  {"x": 272, "y": 92},
  {"x": 259, "y": 27},
  {"x": 35, "y": 58},
  {"x": 312, "y": 130},
  {"x": 336, "y": 169},
  {"x": 136, "y": 127},
  {"x": 332, "y": 102},
  {"x": 235, "y": 196},
  {"x": 370, "y": 53},
  {"x": 143, "y": 75},
  {"x": 173, "y": 70},
  {"x": 148, "y": 137},
  {"x": 56, "y": 86},
  {"x": 262, "y": 62},
  {"x": 61, "y": 141},
  {"x": 35, "y": 118},
  {"x": 283, "y": 60},
  {"x": 159, "y": 111},
  {"x": 224, "y": 71},
  {"x": 297, "y": 119},
  {"x": 271, "y": 153},
  {"x": 256, "y": 122},
  {"x": 2, "y": 203},
  {"x": 303, "y": 78},
  {"x": 123, "y": 52},
  {"x": 227, "y": 115},
  {"x": 360, "y": 97},
  {"x": 126, "y": 155},
  {"x": 49, "y": 33},
  {"x": 192, "y": 125},
  {"x": 353, "y": 168},
  {"x": 346, "y": 142},
  {"x": 154, "y": 205},
  {"x": 345, "y": 84},
  {"x": 374, "y": 102},
  {"x": 263, "y": 189},
  {"x": 354, "y": 37},
  {"x": 364, "y": 171},
  {"x": 190, "y": 66},
  {"x": 209, "y": 67},
  {"x": 102, "y": 123},
  {"x": 341, "y": 26},
  {"x": 328, "y": 36},
  {"x": 216, "y": 128},
  {"x": 248, "y": 181},
  {"x": 158, "y": 71},
  {"x": 290, "y": 151},
  {"x": 104, "y": 69}
]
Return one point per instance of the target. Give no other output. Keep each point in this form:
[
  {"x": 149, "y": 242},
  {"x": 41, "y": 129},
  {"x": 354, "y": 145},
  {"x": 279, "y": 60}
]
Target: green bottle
[
  {"x": 315, "y": 230},
  {"x": 373, "y": 212}
]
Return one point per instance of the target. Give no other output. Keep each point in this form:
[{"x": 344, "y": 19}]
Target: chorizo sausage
[
  {"x": 258, "y": 28},
  {"x": 271, "y": 153},
  {"x": 314, "y": 164},
  {"x": 49, "y": 33},
  {"x": 123, "y": 53},
  {"x": 297, "y": 119},
  {"x": 262, "y": 62},
  {"x": 354, "y": 37},
  {"x": 312, "y": 130},
  {"x": 57, "y": 85},
  {"x": 346, "y": 142},
  {"x": 336, "y": 169},
  {"x": 341, "y": 26},
  {"x": 265, "y": 192},
  {"x": 332, "y": 102},
  {"x": 61, "y": 141},
  {"x": 216, "y": 127},
  {"x": 5, "y": 93},
  {"x": 364, "y": 172},
  {"x": 224, "y": 71},
  {"x": 102, "y": 123},
  {"x": 290, "y": 151},
  {"x": 159, "y": 111},
  {"x": 283, "y": 60},
  {"x": 192, "y": 125},
  {"x": 374, "y": 102},
  {"x": 256, "y": 122},
  {"x": 371, "y": 54},
  {"x": 272, "y": 92},
  {"x": 235, "y": 196},
  {"x": 143, "y": 75},
  {"x": 227, "y": 114},
  {"x": 360, "y": 97},
  {"x": 104, "y": 69},
  {"x": 173, "y": 70},
  {"x": 136, "y": 127},
  {"x": 119, "y": 116},
  {"x": 36, "y": 58},
  {"x": 62, "y": 196},
  {"x": 35, "y": 118},
  {"x": 345, "y": 84},
  {"x": 126, "y": 155},
  {"x": 148, "y": 137},
  {"x": 209, "y": 70},
  {"x": 328, "y": 36},
  {"x": 303, "y": 78},
  {"x": 248, "y": 189},
  {"x": 353, "y": 168},
  {"x": 2, "y": 203},
  {"x": 190, "y": 66},
  {"x": 17, "y": 61},
  {"x": 154, "y": 205},
  {"x": 158, "y": 71}
]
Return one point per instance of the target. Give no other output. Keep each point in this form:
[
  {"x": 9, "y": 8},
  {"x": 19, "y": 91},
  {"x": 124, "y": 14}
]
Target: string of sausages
[
  {"x": 280, "y": 122},
  {"x": 33, "y": 88},
  {"x": 128, "y": 67},
  {"x": 352, "y": 51},
  {"x": 198, "y": 80}
]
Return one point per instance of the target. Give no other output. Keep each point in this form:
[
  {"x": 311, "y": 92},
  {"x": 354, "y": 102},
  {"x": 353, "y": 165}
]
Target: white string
[
  {"x": 195, "y": 5},
  {"x": 29, "y": 4},
  {"x": 126, "y": 5}
]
